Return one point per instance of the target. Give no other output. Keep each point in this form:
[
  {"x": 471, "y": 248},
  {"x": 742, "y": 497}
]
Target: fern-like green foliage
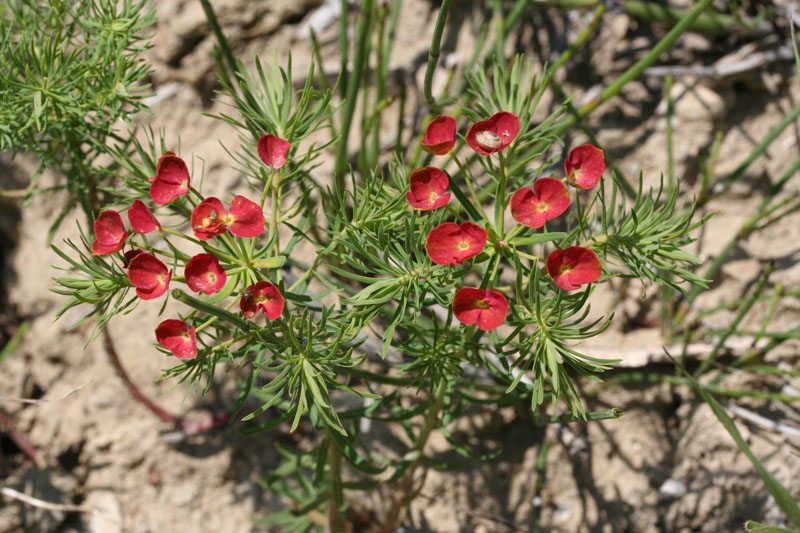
[{"x": 71, "y": 72}]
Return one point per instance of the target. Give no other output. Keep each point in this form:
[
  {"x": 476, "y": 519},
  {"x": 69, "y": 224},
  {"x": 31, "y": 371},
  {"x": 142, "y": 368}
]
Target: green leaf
[
  {"x": 349, "y": 452},
  {"x": 761, "y": 528},
  {"x": 538, "y": 238}
]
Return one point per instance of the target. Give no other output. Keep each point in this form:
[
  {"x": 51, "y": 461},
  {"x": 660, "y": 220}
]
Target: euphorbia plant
[{"x": 425, "y": 288}]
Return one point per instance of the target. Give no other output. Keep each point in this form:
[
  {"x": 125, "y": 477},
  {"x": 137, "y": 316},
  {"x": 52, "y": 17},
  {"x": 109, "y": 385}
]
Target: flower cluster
[
  {"x": 203, "y": 272},
  {"x": 451, "y": 243}
]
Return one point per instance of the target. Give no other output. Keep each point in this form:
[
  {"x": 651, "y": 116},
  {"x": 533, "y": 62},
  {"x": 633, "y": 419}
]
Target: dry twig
[{"x": 724, "y": 68}]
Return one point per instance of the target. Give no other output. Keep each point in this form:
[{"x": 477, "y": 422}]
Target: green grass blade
[{"x": 782, "y": 496}]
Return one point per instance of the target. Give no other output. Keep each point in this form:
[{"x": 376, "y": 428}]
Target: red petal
[
  {"x": 574, "y": 266},
  {"x": 504, "y": 125},
  {"x": 149, "y": 275},
  {"x": 486, "y": 308},
  {"x": 141, "y": 219},
  {"x": 175, "y": 336},
  {"x": 249, "y": 309},
  {"x": 555, "y": 194},
  {"x": 208, "y": 219},
  {"x": 245, "y": 218},
  {"x": 440, "y": 136},
  {"x": 273, "y": 307},
  {"x": 524, "y": 208},
  {"x": 109, "y": 233},
  {"x": 452, "y": 244},
  {"x": 427, "y": 185},
  {"x": 171, "y": 180},
  {"x": 584, "y": 166},
  {"x": 472, "y": 132},
  {"x": 548, "y": 199},
  {"x": 130, "y": 254},
  {"x": 465, "y": 306},
  {"x": 272, "y": 150},
  {"x": 204, "y": 274},
  {"x": 262, "y": 296}
]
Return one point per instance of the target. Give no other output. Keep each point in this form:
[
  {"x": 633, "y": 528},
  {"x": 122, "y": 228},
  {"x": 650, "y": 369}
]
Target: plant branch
[
  {"x": 406, "y": 493},
  {"x": 433, "y": 56}
]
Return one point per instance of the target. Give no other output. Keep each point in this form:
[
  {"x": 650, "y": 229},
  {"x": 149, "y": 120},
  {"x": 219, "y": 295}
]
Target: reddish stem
[
  {"x": 186, "y": 427},
  {"x": 19, "y": 439}
]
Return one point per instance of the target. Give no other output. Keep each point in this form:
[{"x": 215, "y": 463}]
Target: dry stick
[
  {"x": 185, "y": 427},
  {"x": 44, "y": 400},
  {"x": 50, "y": 506},
  {"x": 19, "y": 439},
  {"x": 763, "y": 421},
  {"x": 721, "y": 71}
]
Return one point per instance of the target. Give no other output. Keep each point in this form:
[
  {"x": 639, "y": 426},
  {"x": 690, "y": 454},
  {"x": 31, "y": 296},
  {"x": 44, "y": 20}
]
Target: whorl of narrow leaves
[{"x": 651, "y": 237}]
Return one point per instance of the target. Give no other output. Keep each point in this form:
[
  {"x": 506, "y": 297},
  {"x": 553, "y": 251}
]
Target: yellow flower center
[{"x": 482, "y": 304}]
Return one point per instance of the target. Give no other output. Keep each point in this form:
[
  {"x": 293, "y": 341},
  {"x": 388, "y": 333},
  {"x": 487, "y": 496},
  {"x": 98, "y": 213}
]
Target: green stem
[
  {"x": 87, "y": 198},
  {"x": 762, "y": 282},
  {"x": 221, "y": 40},
  {"x": 540, "y": 419},
  {"x": 636, "y": 69},
  {"x": 457, "y": 192},
  {"x": 334, "y": 519},
  {"x": 747, "y": 228},
  {"x": 709, "y": 21},
  {"x": 212, "y": 309},
  {"x": 500, "y": 199},
  {"x": 407, "y": 482},
  {"x": 353, "y": 84},
  {"x": 651, "y": 378},
  {"x": 760, "y": 148},
  {"x": 670, "y": 110},
  {"x": 344, "y": 45},
  {"x": 433, "y": 56},
  {"x": 151, "y": 250},
  {"x": 499, "y": 31}
]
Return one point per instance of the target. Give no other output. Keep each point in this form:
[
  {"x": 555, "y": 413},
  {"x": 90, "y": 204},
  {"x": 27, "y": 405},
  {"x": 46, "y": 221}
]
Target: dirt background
[{"x": 666, "y": 465}]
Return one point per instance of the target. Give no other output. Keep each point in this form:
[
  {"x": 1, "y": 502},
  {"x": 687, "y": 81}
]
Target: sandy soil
[{"x": 666, "y": 465}]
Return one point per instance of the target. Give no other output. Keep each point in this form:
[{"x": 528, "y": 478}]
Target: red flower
[
  {"x": 440, "y": 137},
  {"x": 548, "y": 199},
  {"x": 130, "y": 254},
  {"x": 208, "y": 219},
  {"x": 149, "y": 275},
  {"x": 452, "y": 244},
  {"x": 171, "y": 180},
  {"x": 272, "y": 150},
  {"x": 109, "y": 233},
  {"x": 427, "y": 185},
  {"x": 585, "y": 165},
  {"x": 492, "y": 135},
  {"x": 245, "y": 218},
  {"x": 487, "y": 308},
  {"x": 175, "y": 336},
  {"x": 572, "y": 267},
  {"x": 141, "y": 219},
  {"x": 204, "y": 274},
  {"x": 262, "y": 296}
]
